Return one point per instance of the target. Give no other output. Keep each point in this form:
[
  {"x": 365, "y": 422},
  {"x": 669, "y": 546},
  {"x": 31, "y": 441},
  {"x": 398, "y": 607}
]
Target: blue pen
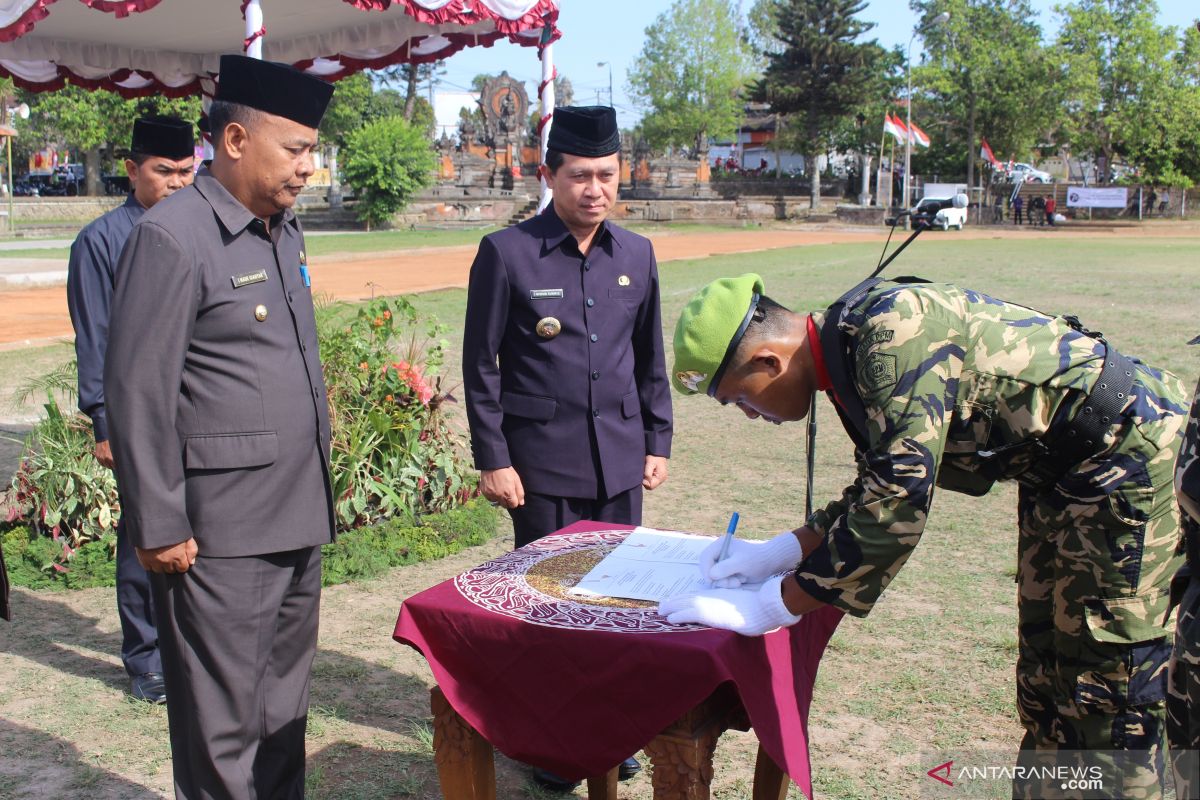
[
  {"x": 721, "y": 556},
  {"x": 304, "y": 275}
]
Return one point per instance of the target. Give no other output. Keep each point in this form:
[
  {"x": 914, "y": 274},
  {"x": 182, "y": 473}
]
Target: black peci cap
[
  {"x": 275, "y": 88},
  {"x": 165, "y": 137},
  {"x": 589, "y": 131}
]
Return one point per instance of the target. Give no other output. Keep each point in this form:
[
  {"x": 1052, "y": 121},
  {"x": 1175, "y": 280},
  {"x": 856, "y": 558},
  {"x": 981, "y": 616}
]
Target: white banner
[{"x": 1088, "y": 197}]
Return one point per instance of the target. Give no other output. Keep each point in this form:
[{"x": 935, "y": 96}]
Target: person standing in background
[{"x": 160, "y": 162}]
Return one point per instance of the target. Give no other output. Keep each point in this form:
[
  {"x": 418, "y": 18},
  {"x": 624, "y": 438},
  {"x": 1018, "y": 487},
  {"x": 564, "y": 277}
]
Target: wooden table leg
[
  {"x": 682, "y": 764},
  {"x": 769, "y": 781},
  {"x": 466, "y": 769},
  {"x": 603, "y": 787}
]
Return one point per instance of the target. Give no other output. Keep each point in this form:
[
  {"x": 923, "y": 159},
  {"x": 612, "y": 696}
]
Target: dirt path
[{"x": 33, "y": 316}]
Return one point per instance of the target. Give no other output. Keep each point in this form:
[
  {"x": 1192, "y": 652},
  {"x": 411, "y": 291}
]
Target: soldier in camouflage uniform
[
  {"x": 944, "y": 386},
  {"x": 1183, "y": 682}
]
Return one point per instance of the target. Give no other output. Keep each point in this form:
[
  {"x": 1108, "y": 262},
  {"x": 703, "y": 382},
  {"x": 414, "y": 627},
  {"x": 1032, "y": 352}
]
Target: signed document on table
[{"x": 648, "y": 565}]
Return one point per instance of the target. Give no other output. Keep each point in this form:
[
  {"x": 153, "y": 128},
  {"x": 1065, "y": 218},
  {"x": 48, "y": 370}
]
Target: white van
[{"x": 947, "y": 217}]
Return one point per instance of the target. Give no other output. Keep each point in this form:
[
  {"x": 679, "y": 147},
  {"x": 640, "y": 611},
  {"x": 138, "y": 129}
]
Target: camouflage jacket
[
  {"x": 955, "y": 385},
  {"x": 1187, "y": 469}
]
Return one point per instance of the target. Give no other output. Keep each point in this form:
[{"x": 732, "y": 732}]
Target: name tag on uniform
[
  {"x": 247, "y": 278},
  {"x": 544, "y": 294}
]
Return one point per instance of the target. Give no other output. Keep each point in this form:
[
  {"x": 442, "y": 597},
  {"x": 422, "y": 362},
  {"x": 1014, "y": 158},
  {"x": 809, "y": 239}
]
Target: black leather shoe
[
  {"x": 629, "y": 767},
  {"x": 149, "y": 687},
  {"x": 548, "y": 779}
]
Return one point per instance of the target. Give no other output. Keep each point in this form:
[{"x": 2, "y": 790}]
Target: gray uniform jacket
[
  {"x": 94, "y": 256},
  {"x": 216, "y": 403}
]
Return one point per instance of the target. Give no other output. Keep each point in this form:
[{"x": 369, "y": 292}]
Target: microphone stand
[{"x": 920, "y": 227}]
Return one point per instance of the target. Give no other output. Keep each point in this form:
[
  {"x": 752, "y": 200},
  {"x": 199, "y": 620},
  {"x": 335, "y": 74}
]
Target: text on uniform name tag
[
  {"x": 544, "y": 294},
  {"x": 247, "y": 278}
]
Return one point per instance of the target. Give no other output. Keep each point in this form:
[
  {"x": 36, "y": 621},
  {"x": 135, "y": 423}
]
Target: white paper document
[{"x": 648, "y": 565}]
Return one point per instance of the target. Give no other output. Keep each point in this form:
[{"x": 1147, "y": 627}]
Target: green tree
[
  {"x": 387, "y": 161},
  {"x": 822, "y": 75},
  {"x": 691, "y": 73},
  {"x": 762, "y": 29},
  {"x": 861, "y": 130},
  {"x": 411, "y": 77},
  {"x": 1131, "y": 99},
  {"x": 988, "y": 76},
  {"x": 1186, "y": 110},
  {"x": 349, "y": 108},
  {"x": 87, "y": 121}
]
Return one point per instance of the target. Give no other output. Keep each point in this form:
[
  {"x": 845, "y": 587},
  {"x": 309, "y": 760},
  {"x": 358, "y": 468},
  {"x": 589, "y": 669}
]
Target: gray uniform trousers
[{"x": 222, "y": 625}]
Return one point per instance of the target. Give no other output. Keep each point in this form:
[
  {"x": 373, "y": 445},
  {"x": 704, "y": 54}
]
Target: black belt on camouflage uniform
[{"x": 1084, "y": 433}]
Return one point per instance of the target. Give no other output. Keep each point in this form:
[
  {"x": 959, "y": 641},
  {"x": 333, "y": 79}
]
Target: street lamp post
[
  {"x": 610, "y": 92},
  {"x": 939, "y": 20}
]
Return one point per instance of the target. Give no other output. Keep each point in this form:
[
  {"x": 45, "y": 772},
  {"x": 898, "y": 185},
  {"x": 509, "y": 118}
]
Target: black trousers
[
  {"x": 135, "y": 607},
  {"x": 543, "y": 514},
  {"x": 238, "y": 637}
]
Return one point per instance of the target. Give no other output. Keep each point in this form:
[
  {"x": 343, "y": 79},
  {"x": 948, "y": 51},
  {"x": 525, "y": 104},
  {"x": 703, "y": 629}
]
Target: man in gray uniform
[
  {"x": 220, "y": 432},
  {"x": 161, "y": 161}
]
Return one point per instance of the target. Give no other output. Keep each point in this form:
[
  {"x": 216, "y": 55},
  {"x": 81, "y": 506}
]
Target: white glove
[
  {"x": 750, "y": 561},
  {"x": 738, "y": 610}
]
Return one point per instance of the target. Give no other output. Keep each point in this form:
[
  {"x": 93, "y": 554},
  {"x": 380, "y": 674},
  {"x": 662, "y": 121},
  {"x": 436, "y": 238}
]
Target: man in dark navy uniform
[
  {"x": 575, "y": 418},
  {"x": 160, "y": 162},
  {"x": 220, "y": 433},
  {"x": 563, "y": 364}
]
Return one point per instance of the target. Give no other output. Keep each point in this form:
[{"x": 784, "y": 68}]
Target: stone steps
[{"x": 523, "y": 213}]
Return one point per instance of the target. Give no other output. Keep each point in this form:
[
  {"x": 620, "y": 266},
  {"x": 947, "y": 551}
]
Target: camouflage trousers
[
  {"x": 1183, "y": 691},
  {"x": 1096, "y": 556}
]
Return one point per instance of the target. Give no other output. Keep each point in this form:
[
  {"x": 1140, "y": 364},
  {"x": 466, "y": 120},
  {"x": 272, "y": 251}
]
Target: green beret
[{"x": 709, "y": 330}]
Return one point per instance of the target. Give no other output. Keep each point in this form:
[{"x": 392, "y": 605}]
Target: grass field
[
  {"x": 387, "y": 241},
  {"x": 321, "y": 245},
  {"x": 931, "y": 669}
]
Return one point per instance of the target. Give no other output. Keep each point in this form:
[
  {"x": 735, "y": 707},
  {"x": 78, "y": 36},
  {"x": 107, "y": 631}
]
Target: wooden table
[
  {"x": 681, "y": 756},
  {"x": 575, "y": 687}
]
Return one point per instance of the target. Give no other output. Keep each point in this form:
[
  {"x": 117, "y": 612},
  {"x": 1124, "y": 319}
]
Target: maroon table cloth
[{"x": 575, "y": 688}]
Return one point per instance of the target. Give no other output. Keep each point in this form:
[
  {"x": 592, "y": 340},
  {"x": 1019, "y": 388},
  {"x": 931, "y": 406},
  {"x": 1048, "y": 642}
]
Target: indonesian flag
[
  {"x": 986, "y": 154},
  {"x": 919, "y": 137},
  {"x": 895, "y": 127}
]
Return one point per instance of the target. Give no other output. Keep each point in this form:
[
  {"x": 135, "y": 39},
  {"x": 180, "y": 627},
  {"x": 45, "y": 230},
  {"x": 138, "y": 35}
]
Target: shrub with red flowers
[{"x": 394, "y": 451}]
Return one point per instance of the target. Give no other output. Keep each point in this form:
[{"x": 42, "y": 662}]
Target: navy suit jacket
[
  {"x": 576, "y": 414},
  {"x": 90, "y": 280}
]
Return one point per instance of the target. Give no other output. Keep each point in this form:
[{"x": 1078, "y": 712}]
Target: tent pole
[
  {"x": 546, "y": 98},
  {"x": 254, "y": 29}
]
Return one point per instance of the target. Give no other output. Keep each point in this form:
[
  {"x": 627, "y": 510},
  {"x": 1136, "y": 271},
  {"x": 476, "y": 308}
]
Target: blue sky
[{"x": 613, "y": 31}]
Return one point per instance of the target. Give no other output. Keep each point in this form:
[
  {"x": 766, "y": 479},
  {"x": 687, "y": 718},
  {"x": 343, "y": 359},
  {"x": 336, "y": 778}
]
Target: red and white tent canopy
[{"x": 139, "y": 47}]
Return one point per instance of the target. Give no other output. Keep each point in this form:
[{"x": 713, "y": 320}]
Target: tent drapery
[{"x": 140, "y": 47}]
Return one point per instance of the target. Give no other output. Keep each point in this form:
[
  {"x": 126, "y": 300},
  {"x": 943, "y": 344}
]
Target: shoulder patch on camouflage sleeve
[
  {"x": 878, "y": 371},
  {"x": 874, "y": 338}
]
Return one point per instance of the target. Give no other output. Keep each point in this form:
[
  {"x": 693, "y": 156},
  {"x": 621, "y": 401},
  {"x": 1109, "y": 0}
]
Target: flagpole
[
  {"x": 892, "y": 173},
  {"x": 882, "y": 140}
]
